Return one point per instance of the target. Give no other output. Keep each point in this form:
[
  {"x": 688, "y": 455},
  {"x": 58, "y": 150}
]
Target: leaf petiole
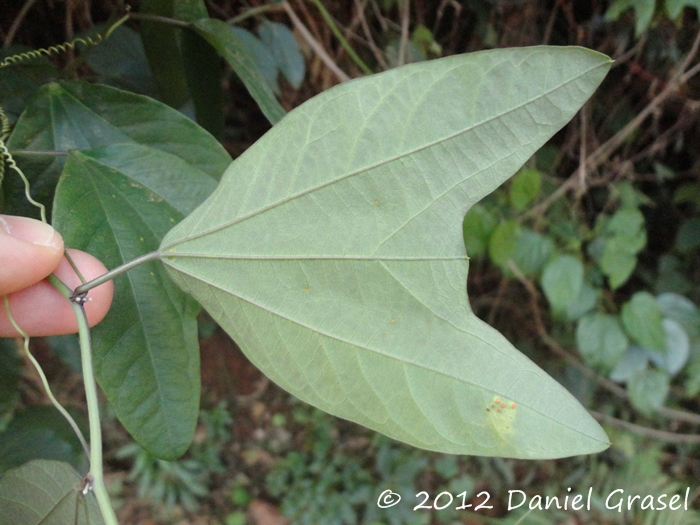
[{"x": 85, "y": 287}]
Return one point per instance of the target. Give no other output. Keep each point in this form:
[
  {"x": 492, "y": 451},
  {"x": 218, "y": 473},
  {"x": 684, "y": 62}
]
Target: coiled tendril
[{"x": 90, "y": 41}]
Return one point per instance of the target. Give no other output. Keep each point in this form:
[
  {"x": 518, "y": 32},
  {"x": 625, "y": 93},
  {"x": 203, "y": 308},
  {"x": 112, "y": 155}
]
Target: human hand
[{"x": 30, "y": 251}]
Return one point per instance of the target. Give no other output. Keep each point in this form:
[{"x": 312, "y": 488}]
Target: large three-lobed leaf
[{"x": 332, "y": 251}]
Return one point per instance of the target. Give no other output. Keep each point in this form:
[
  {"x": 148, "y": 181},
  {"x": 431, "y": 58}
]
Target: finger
[
  {"x": 41, "y": 310},
  {"x": 29, "y": 251}
]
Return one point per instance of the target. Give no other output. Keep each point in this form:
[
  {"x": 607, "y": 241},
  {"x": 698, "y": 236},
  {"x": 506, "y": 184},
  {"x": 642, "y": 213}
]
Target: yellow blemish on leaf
[
  {"x": 376, "y": 202},
  {"x": 501, "y": 415},
  {"x": 392, "y": 321},
  {"x": 306, "y": 290}
]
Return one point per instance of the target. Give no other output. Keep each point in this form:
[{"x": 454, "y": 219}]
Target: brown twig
[
  {"x": 661, "y": 435},
  {"x": 17, "y": 22},
  {"x": 405, "y": 9},
  {"x": 314, "y": 44},
  {"x": 378, "y": 55}
]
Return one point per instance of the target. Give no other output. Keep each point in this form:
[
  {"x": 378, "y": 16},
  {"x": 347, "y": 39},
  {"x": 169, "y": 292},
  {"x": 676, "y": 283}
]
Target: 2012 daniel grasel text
[{"x": 615, "y": 500}]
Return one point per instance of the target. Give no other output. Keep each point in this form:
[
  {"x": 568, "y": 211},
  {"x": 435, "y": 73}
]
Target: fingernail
[{"x": 31, "y": 230}]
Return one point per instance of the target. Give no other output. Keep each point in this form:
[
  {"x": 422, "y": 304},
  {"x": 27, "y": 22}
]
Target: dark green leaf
[
  {"x": 674, "y": 8},
  {"x": 648, "y": 389},
  {"x": 601, "y": 340},
  {"x": 204, "y": 76},
  {"x": 641, "y": 317},
  {"x": 692, "y": 381},
  {"x": 677, "y": 350},
  {"x": 562, "y": 280},
  {"x": 586, "y": 301},
  {"x": 160, "y": 42},
  {"x": 617, "y": 262},
  {"x": 121, "y": 62},
  {"x": 635, "y": 359},
  {"x": 689, "y": 192},
  {"x": 627, "y": 225},
  {"x": 682, "y": 310},
  {"x": 643, "y": 9},
  {"x": 624, "y": 237},
  {"x": 688, "y": 237},
  {"x": 532, "y": 251},
  {"x": 230, "y": 47},
  {"x": 262, "y": 56},
  {"x": 117, "y": 203},
  {"x": 41, "y": 432},
  {"x": 202, "y": 69},
  {"x": 10, "y": 373},
  {"x": 476, "y": 229},
  {"x": 524, "y": 188},
  {"x": 46, "y": 492},
  {"x": 67, "y": 348},
  {"x": 284, "y": 48},
  {"x": 671, "y": 276},
  {"x": 630, "y": 197},
  {"x": 19, "y": 82},
  {"x": 333, "y": 252},
  {"x": 502, "y": 242},
  {"x": 78, "y": 115}
]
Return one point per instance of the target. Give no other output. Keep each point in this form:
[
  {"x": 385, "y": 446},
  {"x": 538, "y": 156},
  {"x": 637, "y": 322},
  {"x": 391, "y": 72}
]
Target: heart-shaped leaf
[{"x": 332, "y": 251}]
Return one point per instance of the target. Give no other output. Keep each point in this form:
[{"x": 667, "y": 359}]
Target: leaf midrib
[{"x": 377, "y": 164}]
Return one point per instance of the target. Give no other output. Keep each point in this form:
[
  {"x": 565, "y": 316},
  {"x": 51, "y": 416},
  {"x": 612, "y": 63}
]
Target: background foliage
[{"x": 588, "y": 259}]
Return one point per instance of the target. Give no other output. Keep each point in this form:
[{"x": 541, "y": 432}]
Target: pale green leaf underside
[{"x": 332, "y": 251}]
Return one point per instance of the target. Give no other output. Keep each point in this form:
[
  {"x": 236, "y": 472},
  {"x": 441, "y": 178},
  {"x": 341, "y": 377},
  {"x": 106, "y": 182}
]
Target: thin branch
[
  {"x": 378, "y": 55},
  {"x": 253, "y": 11},
  {"x": 343, "y": 42},
  {"x": 661, "y": 435},
  {"x": 18, "y": 22},
  {"x": 315, "y": 45},
  {"x": 162, "y": 19},
  {"x": 405, "y": 7},
  {"x": 38, "y": 153}
]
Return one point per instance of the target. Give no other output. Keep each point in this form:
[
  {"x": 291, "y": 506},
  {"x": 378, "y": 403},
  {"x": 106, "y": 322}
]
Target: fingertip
[
  {"x": 40, "y": 309},
  {"x": 30, "y": 250}
]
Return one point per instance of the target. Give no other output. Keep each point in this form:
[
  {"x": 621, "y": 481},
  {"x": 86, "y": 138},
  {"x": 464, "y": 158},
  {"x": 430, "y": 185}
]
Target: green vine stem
[
  {"x": 343, "y": 42},
  {"x": 95, "y": 480},
  {"x": 45, "y": 381}
]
